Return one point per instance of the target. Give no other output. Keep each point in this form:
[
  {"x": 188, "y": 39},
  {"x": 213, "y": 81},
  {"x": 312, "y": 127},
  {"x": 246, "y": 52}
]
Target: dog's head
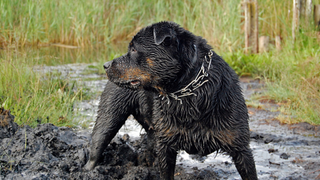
[{"x": 159, "y": 57}]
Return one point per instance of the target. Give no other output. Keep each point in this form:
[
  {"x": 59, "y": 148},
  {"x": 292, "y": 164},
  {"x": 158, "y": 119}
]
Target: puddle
[{"x": 279, "y": 151}]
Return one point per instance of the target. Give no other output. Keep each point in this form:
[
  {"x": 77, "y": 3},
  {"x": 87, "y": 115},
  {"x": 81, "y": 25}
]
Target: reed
[
  {"x": 292, "y": 77},
  {"x": 33, "y": 97}
]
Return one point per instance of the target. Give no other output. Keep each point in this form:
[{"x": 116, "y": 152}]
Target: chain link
[{"x": 193, "y": 85}]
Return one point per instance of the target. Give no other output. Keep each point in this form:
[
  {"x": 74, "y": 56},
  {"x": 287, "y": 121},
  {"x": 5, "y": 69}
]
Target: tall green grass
[
  {"x": 292, "y": 73},
  {"x": 101, "y": 22},
  {"x": 292, "y": 76},
  {"x": 34, "y": 97}
]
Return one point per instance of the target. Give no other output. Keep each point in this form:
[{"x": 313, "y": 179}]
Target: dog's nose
[{"x": 107, "y": 65}]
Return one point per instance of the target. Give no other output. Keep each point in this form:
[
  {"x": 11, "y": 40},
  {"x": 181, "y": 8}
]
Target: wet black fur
[{"x": 215, "y": 119}]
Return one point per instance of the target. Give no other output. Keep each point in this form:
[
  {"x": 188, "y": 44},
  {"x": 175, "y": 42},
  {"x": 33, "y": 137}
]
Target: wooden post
[
  {"x": 305, "y": 12},
  {"x": 295, "y": 20},
  {"x": 256, "y": 27},
  {"x": 246, "y": 25},
  {"x": 278, "y": 43},
  {"x": 308, "y": 9},
  {"x": 264, "y": 44},
  {"x": 316, "y": 16},
  {"x": 302, "y": 8},
  {"x": 251, "y": 26}
]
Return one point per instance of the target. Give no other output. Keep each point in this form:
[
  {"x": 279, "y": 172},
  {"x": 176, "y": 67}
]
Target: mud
[{"x": 50, "y": 152}]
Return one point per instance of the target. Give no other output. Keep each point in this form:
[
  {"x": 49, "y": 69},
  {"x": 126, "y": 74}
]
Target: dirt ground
[{"x": 50, "y": 152}]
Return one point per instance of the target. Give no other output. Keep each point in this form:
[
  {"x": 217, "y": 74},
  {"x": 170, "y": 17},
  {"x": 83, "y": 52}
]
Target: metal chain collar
[{"x": 193, "y": 85}]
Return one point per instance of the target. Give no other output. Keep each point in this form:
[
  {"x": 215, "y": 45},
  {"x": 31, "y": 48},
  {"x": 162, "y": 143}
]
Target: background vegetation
[
  {"x": 292, "y": 74},
  {"x": 33, "y": 97}
]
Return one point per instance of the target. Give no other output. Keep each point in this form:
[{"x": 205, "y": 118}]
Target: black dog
[{"x": 185, "y": 93}]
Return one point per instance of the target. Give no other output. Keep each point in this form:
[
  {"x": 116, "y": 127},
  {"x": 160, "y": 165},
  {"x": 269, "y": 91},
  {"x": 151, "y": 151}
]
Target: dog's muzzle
[{"x": 107, "y": 65}]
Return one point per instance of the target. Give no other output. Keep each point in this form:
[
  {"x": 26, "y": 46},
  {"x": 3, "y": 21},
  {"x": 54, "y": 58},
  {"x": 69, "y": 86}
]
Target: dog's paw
[{"x": 89, "y": 166}]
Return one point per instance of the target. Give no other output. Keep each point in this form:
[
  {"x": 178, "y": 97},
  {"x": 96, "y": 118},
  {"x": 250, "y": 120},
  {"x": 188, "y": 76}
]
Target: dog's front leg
[
  {"x": 244, "y": 163},
  {"x": 104, "y": 131},
  {"x": 167, "y": 161},
  {"x": 114, "y": 108}
]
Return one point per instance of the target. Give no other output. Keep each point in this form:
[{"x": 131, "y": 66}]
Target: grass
[
  {"x": 103, "y": 22},
  {"x": 292, "y": 77},
  {"x": 94, "y": 23},
  {"x": 292, "y": 74},
  {"x": 33, "y": 97},
  {"x": 297, "y": 85}
]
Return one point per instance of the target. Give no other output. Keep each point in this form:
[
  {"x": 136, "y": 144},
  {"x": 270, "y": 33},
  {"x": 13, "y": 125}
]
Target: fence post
[
  {"x": 302, "y": 8},
  {"x": 308, "y": 9},
  {"x": 264, "y": 44},
  {"x": 295, "y": 20},
  {"x": 246, "y": 25},
  {"x": 256, "y": 26},
  {"x": 251, "y": 26},
  {"x": 305, "y": 11},
  {"x": 278, "y": 43},
  {"x": 316, "y": 16}
]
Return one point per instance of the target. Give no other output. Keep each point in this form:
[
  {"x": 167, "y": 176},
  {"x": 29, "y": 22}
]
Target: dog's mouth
[{"x": 135, "y": 83}]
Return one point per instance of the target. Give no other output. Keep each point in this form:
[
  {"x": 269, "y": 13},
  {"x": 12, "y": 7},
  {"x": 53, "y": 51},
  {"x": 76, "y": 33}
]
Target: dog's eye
[
  {"x": 133, "y": 50},
  {"x": 167, "y": 41}
]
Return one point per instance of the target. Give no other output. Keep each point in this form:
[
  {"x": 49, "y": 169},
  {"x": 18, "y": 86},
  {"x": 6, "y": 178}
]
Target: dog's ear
[
  {"x": 163, "y": 33},
  {"x": 195, "y": 54}
]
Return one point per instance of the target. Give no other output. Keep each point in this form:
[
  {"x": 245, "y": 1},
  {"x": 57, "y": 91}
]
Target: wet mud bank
[
  {"x": 49, "y": 152},
  {"x": 281, "y": 151}
]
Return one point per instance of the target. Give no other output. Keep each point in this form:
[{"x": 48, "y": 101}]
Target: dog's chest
[
  {"x": 183, "y": 127},
  {"x": 174, "y": 112}
]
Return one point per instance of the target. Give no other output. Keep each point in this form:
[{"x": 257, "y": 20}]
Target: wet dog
[{"x": 182, "y": 93}]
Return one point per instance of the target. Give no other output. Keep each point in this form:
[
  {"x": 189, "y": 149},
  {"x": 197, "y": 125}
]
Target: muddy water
[{"x": 280, "y": 151}]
